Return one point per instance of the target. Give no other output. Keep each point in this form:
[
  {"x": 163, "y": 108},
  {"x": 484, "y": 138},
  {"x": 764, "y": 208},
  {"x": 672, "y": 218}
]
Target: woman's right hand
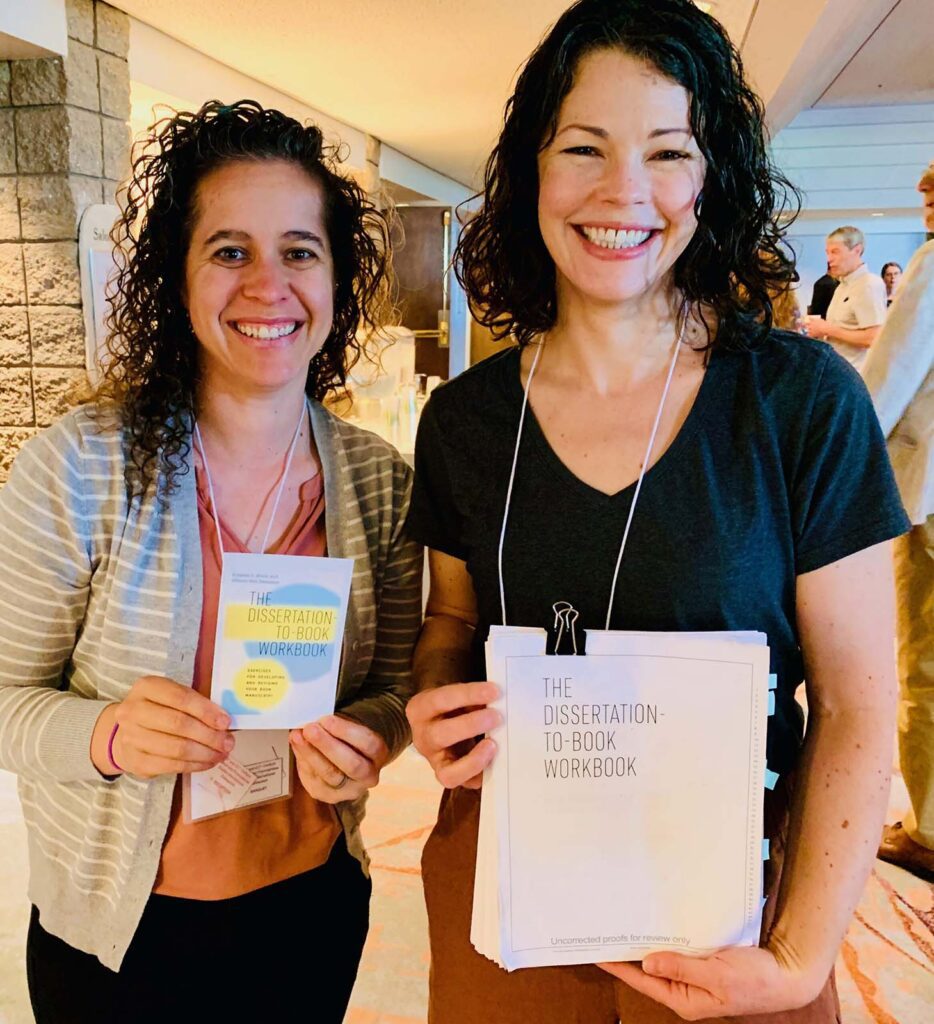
[
  {"x": 446, "y": 722},
  {"x": 164, "y": 728}
]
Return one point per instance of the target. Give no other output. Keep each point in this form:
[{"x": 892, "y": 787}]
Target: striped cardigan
[{"x": 96, "y": 592}]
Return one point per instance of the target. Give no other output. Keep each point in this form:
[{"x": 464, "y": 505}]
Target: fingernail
[{"x": 229, "y": 742}]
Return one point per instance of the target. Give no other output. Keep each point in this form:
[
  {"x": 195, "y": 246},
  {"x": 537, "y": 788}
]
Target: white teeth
[
  {"x": 265, "y": 332},
  {"x": 611, "y": 238}
]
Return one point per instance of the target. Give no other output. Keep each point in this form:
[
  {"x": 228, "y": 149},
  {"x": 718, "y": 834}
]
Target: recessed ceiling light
[{"x": 876, "y": 214}]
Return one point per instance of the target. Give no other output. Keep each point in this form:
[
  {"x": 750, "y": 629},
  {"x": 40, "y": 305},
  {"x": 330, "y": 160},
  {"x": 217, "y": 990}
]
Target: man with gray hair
[
  {"x": 857, "y": 309},
  {"x": 900, "y": 376}
]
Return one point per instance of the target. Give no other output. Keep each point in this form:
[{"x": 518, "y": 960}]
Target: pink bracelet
[{"x": 110, "y": 747}]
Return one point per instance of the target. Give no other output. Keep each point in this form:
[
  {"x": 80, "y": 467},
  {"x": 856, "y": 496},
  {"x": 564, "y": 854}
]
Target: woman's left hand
[
  {"x": 338, "y": 759},
  {"x": 733, "y": 981}
]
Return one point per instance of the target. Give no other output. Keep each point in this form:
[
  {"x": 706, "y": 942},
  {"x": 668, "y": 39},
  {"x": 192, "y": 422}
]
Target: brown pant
[
  {"x": 914, "y": 585},
  {"x": 466, "y": 988}
]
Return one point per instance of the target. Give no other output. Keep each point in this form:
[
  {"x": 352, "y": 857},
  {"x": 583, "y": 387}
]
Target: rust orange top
[{"x": 240, "y": 851}]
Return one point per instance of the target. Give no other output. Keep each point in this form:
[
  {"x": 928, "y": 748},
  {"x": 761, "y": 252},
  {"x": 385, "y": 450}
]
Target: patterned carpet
[{"x": 885, "y": 973}]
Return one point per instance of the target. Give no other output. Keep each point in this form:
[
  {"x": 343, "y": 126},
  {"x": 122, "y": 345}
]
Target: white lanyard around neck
[
  {"x": 635, "y": 497},
  {"x": 215, "y": 513}
]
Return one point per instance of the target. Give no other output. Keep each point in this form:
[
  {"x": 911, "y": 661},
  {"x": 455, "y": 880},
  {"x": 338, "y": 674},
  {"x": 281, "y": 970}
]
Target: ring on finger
[{"x": 339, "y": 784}]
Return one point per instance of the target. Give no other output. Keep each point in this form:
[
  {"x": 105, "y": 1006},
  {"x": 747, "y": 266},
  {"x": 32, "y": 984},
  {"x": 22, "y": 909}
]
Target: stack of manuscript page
[{"x": 622, "y": 814}]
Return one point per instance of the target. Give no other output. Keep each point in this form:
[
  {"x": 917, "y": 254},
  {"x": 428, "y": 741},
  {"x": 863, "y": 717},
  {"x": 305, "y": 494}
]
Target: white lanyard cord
[
  {"x": 512, "y": 479},
  {"x": 635, "y": 496},
  {"x": 642, "y": 470},
  {"x": 215, "y": 514}
]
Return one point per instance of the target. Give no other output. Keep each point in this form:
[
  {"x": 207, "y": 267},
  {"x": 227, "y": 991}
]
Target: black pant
[{"x": 287, "y": 952}]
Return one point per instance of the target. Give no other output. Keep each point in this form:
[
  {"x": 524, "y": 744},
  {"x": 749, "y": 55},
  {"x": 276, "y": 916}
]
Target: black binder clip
[{"x": 562, "y": 637}]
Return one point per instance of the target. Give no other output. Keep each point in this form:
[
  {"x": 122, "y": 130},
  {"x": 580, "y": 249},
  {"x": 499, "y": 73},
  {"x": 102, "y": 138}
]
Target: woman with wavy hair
[
  {"x": 246, "y": 265},
  {"x": 629, "y": 237}
]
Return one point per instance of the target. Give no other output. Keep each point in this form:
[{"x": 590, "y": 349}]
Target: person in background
[
  {"x": 246, "y": 264},
  {"x": 786, "y": 310},
  {"x": 629, "y": 196},
  {"x": 857, "y": 309},
  {"x": 900, "y": 376},
  {"x": 822, "y": 293},
  {"x": 891, "y": 275}
]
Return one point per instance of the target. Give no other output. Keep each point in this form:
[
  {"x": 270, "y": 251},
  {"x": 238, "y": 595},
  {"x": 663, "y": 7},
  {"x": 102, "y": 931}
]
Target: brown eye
[{"x": 230, "y": 254}]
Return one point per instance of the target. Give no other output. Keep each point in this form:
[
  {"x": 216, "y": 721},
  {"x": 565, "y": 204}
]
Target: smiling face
[
  {"x": 618, "y": 183},
  {"x": 259, "y": 281}
]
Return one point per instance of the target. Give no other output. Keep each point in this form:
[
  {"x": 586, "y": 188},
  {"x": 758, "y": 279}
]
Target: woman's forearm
[
  {"x": 442, "y": 654},
  {"x": 836, "y": 819},
  {"x": 380, "y": 699},
  {"x": 48, "y": 733}
]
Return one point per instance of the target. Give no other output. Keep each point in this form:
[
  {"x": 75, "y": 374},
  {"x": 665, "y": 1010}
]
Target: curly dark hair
[
  {"x": 736, "y": 259},
  {"x": 153, "y": 369}
]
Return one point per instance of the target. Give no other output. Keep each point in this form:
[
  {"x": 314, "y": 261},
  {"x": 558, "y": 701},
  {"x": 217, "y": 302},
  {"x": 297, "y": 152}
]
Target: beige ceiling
[
  {"x": 894, "y": 65},
  {"x": 428, "y": 77}
]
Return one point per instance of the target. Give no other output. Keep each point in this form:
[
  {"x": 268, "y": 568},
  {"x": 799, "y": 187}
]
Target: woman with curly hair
[
  {"x": 246, "y": 265},
  {"x": 627, "y": 202}
]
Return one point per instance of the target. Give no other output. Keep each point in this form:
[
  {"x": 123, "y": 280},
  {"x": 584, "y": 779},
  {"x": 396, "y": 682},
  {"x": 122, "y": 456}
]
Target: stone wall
[{"x": 64, "y": 145}]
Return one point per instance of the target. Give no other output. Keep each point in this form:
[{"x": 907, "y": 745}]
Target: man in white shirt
[
  {"x": 857, "y": 309},
  {"x": 900, "y": 376}
]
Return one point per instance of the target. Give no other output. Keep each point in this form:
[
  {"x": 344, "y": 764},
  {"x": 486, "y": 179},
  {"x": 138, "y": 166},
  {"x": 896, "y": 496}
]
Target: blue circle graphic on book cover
[{"x": 289, "y": 640}]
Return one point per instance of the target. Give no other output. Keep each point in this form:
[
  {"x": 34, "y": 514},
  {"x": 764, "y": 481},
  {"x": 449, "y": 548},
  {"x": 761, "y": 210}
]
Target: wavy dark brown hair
[
  {"x": 152, "y": 372},
  {"x": 736, "y": 259}
]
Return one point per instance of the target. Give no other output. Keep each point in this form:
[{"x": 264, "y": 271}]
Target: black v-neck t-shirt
[{"x": 779, "y": 469}]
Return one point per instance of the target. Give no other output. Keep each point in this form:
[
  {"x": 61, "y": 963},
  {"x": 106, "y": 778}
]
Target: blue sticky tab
[
  {"x": 771, "y": 703},
  {"x": 765, "y": 849},
  {"x": 773, "y": 681},
  {"x": 770, "y": 779}
]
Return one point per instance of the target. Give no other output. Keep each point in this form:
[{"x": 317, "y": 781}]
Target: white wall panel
[
  {"x": 854, "y": 135},
  {"x": 32, "y": 28},
  {"x": 818, "y": 117},
  {"x": 889, "y": 223},
  {"x": 853, "y": 161},
  {"x": 916, "y": 155},
  {"x": 862, "y": 199},
  {"x": 884, "y": 175}
]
